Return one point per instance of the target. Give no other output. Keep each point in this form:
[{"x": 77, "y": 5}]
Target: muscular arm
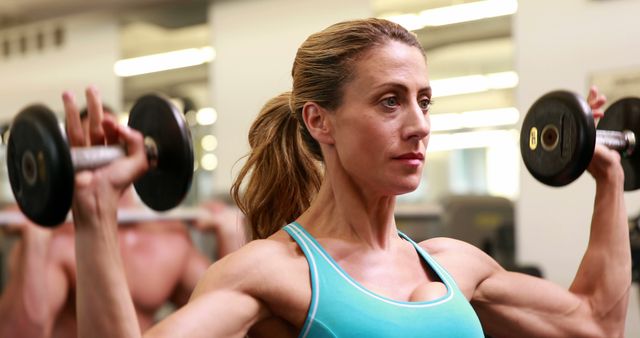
[
  {"x": 103, "y": 303},
  {"x": 36, "y": 291},
  {"x": 604, "y": 275},
  {"x": 516, "y": 305},
  {"x": 223, "y": 304}
]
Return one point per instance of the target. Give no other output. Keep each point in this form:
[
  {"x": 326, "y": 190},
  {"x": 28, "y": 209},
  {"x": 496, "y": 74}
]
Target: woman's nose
[{"x": 418, "y": 123}]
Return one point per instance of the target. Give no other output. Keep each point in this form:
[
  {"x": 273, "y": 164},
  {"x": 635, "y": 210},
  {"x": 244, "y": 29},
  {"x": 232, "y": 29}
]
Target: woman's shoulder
[
  {"x": 275, "y": 247},
  {"x": 457, "y": 256},
  {"x": 454, "y": 252},
  {"x": 440, "y": 245},
  {"x": 258, "y": 261}
]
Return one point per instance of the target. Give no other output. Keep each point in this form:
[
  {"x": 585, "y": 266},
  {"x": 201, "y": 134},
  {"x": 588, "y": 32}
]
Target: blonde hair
[{"x": 284, "y": 164}]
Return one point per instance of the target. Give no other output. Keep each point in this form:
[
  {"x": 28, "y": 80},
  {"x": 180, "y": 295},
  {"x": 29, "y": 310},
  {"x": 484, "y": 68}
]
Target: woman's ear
[{"x": 318, "y": 122}]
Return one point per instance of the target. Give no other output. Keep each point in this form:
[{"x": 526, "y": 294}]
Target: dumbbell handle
[
  {"x": 84, "y": 158},
  {"x": 95, "y": 157},
  {"x": 623, "y": 141}
]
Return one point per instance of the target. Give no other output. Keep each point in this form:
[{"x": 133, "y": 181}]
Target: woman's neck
[{"x": 341, "y": 210}]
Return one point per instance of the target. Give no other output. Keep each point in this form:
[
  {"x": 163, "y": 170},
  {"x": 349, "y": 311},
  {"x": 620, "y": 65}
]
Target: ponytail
[{"x": 283, "y": 175}]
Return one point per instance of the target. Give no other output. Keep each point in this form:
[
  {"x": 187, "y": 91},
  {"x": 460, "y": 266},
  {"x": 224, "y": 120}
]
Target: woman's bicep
[
  {"x": 214, "y": 313},
  {"x": 511, "y": 303}
]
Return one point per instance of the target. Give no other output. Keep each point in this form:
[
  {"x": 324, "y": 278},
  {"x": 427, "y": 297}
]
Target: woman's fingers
[
  {"x": 75, "y": 133},
  {"x": 596, "y": 101},
  {"x": 110, "y": 129},
  {"x": 94, "y": 109},
  {"x": 105, "y": 129},
  {"x": 135, "y": 164}
]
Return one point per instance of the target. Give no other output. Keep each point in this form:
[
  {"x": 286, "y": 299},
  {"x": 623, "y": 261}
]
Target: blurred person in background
[{"x": 161, "y": 261}]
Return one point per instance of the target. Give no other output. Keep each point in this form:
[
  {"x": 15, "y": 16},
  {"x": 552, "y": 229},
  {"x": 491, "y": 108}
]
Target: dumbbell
[
  {"x": 42, "y": 166},
  {"x": 558, "y": 137}
]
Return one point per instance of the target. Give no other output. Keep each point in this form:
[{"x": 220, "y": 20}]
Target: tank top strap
[
  {"x": 315, "y": 254},
  {"x": 297, "y": 233},
  {"x": 437, "y": 268}
]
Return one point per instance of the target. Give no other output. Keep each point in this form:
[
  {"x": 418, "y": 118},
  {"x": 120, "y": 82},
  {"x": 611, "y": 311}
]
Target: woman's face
[{"x": 382, "y": 127}]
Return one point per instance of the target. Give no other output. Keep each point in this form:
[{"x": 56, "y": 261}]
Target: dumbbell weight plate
[
  {"x": 557, "y": 138},
  {"x": 166, "y": 185},
  {"x": 624, "y": 114},
  {"x": 39, "y": 165}
]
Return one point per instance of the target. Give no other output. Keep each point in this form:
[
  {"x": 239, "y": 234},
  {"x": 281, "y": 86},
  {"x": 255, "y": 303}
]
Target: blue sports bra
[{"x": 342, "y": 307}]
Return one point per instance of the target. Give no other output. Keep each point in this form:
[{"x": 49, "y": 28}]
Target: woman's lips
[{"x": 413, "y": 158}]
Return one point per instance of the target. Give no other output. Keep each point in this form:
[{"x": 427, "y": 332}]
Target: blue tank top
[{"x": 342, "y": 307}]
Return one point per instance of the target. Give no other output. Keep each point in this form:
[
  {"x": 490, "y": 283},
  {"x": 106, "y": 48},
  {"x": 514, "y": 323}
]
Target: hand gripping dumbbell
[
  {"x": 558, "y": 137},
  {"x": 42, "y": 166}
]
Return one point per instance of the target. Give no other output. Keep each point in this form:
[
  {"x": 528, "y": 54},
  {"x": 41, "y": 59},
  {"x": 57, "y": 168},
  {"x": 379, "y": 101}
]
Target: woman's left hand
[
  {"x": 596, "y": 101},
  {"x": 605, "y": 163}
]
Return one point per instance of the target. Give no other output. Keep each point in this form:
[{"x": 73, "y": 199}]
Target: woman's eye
[
  {"x": 425, "y": 104},
  {"x": 390, "y": 101}
]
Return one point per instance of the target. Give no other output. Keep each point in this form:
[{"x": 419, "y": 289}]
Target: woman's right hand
[{"x": 97, "y": 191}]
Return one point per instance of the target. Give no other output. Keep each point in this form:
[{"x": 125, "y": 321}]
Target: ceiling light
[
  {"x": 206, "y": 116},
  {"x": 164, "y": 61},
  {"x": 455, "y": 14},
  {"x": 209, "y": 143},
  {"x": 474, "y": 83},
  {"x": 209, "y": 162}
]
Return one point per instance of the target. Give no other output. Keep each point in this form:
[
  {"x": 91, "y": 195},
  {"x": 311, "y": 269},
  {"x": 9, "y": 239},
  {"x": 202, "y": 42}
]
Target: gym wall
[{"x": 88, "y": 50}]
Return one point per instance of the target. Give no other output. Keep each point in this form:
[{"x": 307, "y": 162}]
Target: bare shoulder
[
  {"x": 445, "y": 245},
  {"x": 468, "y": 265},
  {"x": 454, "y": 250},
  {"x": 253, "y": 266},
  {"x": 272, "y": 271}
]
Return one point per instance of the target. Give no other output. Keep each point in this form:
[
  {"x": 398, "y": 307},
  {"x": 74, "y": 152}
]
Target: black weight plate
[
  {"x": 624, "y": 114},
  {"x": 44, "y": 194},
  {"x": 165, "y": 186},
  {"x": 557, "y": 161}
]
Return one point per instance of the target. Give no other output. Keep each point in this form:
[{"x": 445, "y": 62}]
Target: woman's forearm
[
  {"x": 604, "y": 275},
  {"x": 104, "y": 304}
]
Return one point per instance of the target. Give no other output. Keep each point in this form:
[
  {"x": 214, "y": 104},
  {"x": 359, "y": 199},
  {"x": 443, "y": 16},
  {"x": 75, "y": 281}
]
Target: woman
[{"x": 330, "y": 157}]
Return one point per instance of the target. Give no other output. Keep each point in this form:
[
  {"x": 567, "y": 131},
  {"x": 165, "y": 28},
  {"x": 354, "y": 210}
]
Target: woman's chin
[{"x": 407, "y": 187}]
